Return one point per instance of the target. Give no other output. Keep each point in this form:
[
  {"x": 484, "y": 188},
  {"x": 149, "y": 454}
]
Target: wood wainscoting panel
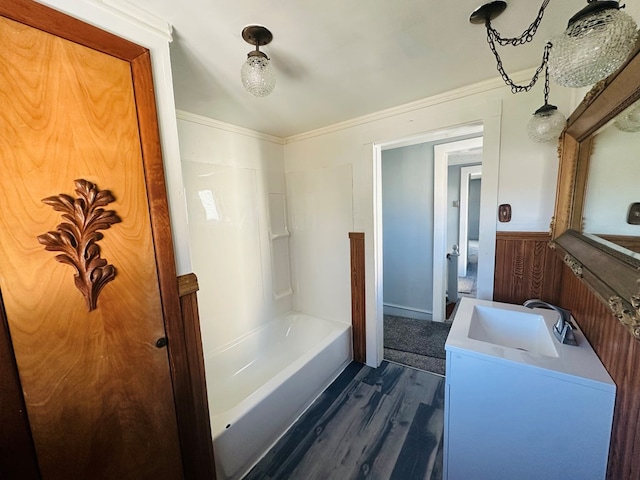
[
  {"x": 358, "y": 312},
  {"x": 619, "y": 352},
  {"x": 97, "y": 385},
  {"x": 526, "y": 268}
]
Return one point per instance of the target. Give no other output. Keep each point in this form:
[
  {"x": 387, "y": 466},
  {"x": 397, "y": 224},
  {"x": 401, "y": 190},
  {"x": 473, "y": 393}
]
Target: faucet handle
[
  {"x": 563, "y": 331},
  {"x": 569, "y": 336}
]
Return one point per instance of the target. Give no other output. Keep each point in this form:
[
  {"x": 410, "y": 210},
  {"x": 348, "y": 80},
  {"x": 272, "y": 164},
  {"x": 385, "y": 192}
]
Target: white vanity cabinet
[{"x": 515, "y": 415}]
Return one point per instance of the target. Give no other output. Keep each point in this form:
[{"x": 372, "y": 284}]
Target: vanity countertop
[{"x": 579, "y": 363}]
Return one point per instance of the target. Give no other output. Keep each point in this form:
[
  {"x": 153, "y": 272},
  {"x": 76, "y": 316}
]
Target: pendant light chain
[
  {"x": 526, "y": 36},
  {"x": 493, "y": 37},
  {"x": 545, "y": 62}
]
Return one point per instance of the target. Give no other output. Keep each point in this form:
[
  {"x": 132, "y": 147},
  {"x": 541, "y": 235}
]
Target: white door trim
[
  {"x": 466, "y": 174},
  {"x": 440, "y": 167},
  {"x": 488, "y": 114}
]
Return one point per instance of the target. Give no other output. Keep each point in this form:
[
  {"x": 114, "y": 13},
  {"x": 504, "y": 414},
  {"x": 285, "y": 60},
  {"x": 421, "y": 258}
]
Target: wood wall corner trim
[
  {"x": 358, "y": 292},
  {"x": 187, "y": 284},
  {"x": 193, "y": 406}
]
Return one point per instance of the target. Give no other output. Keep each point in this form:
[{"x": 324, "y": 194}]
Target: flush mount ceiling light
[
  {"x": 257, "y": 75},
  {"x": 598, "y": 40}
]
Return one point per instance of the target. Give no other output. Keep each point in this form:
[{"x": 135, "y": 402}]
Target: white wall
[
  {"x": 528, "y": 171},
  {"x": 407, "y": 213},
  {"x": 231, "y": 175},
  {"x": 526, "y": 177},
  {"x": 321, "y": 216}
]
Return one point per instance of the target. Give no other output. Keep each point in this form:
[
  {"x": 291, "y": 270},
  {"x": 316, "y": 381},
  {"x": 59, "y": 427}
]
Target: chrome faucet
[{"x": 563, "y": 329}]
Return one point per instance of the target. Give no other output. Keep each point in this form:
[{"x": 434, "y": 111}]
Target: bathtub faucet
[{"x": 563, "y": 330}]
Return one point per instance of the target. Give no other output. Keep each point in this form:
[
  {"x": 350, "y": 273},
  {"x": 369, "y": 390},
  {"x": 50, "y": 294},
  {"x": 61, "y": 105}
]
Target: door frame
[
  {"x": 438, "y": 278},
  {"x": 489, "y": 114},
  {"x": 440, "y": 187},
  {"x": 466, "y": 175},
  {"x": 187, "y": 376}
]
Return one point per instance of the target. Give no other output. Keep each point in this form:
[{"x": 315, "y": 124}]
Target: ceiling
[{"x": 338, "y": 59}]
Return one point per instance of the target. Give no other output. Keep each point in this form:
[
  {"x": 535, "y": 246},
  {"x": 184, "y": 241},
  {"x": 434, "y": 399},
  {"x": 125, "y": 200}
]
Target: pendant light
[
  {"x": 597, "y": 41},
  {"x": 257, "y": 74},
  {"x": 547, "y": 122}
]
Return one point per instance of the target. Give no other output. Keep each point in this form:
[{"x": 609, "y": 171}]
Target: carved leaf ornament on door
[{"x": 77, "y": 239}]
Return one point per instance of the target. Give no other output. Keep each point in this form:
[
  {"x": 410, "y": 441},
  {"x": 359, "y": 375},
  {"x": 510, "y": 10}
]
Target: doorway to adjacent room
[{"x": 426, "y": 210}]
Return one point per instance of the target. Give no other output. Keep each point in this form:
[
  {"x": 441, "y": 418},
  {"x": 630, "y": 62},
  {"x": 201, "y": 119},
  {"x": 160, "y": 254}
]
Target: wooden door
[{"x": 83, "y": 257}]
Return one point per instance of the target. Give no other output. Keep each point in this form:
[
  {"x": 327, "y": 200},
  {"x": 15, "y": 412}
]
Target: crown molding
[
  {"x": 139, "y": 16},
  {"x": 474, "y": 89},
  {"x": 458, "y": 93},
  {"x": 227, "y": 127}
]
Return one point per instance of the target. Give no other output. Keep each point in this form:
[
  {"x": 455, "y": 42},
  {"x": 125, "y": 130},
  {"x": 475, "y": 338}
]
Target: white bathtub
[{"x": 261, "y": 384}]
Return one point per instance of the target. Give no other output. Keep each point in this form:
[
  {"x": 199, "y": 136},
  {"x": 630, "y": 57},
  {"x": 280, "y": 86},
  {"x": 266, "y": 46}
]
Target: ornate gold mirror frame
[{"x": 612, "y": 273}]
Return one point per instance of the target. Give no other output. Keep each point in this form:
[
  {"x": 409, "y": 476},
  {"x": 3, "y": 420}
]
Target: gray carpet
[
  {"x": 417, "y": 343},
  {"x": 428, "y": 364},
  {"x": 468, "y": 284}
]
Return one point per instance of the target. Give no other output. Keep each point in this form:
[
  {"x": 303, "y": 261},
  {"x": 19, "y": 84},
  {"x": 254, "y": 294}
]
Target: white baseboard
[{"x": 402, "y": 311}]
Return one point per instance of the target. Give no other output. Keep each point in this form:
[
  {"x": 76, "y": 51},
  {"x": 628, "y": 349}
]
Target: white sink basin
[
  {"x": 508, "y": 328},
  {"x": 516, "y": 334}
]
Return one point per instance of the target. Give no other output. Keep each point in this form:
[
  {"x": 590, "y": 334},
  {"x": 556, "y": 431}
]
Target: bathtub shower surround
[
  {"x": 247, "y": 219},
  {"x": 242, "y": 284},
  {"x": 321, "y": 212},
  {"x": 261, "y": 384}
]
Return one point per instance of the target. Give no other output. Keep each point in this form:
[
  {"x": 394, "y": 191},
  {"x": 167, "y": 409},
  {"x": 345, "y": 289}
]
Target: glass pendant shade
[
  {"x": 546, "y": 124},
  {"x": 594, "y": 46},
  {"x": 629, "y": 120},
  {"x": 258, "y": 76}
]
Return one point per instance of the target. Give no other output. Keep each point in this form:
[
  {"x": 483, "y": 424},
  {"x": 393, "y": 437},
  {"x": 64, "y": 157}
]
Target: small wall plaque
[
  {"x": 504, "y": 213},
  {"x": 633, "y": 217}
]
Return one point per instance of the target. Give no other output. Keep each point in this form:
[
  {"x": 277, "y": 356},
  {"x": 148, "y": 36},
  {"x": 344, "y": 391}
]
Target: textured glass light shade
[
  {"x": 629, "y": 120},
  {"x": 257, "y": 76},
  {"x": 593, "y": 47},
  {"x": 546, "y": 124}
]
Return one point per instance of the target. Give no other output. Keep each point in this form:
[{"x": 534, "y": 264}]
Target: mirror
[
  {"x": 598, "y": 195},
  {"x": 612, "y": 198}
]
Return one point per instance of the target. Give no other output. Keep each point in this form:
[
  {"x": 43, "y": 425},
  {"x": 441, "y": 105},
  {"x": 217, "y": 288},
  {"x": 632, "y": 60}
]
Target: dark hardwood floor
[{"x": 384, "y": 423}]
